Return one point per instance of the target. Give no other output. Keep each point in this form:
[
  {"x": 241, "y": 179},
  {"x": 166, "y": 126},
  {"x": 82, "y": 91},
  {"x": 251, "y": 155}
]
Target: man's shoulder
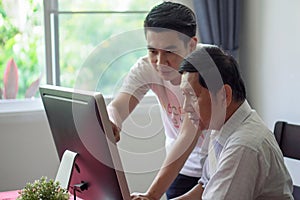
[
  {"x": 142, "y": 64},
  {"x": 144, "y": 60},
  {"x": 251, "y": 134}
]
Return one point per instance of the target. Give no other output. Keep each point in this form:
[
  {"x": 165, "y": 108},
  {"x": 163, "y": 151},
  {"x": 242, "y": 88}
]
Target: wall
[
  {"x": 27, "y": 151},
  {"x": 269, "y": 57}
]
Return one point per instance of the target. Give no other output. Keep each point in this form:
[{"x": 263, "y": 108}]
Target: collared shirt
[{"x": 249, "y": 164}]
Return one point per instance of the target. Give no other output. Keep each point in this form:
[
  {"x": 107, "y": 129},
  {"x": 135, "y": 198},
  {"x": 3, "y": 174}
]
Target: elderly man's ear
[{"x": 226, "y": 94}]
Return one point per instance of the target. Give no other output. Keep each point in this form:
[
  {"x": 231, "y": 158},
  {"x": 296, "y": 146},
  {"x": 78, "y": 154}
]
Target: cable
[{"x": 82, "y": 186}]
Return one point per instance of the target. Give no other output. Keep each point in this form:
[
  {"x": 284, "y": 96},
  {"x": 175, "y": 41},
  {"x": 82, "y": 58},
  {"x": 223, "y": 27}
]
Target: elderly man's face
[
  {"x": 197, "y": 101},
  {"x": 204, "y": 109}
]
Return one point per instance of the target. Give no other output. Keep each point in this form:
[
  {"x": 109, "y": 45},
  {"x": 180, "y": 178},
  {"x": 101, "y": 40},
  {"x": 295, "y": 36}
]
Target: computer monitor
[{"x": 79, "y": 123}]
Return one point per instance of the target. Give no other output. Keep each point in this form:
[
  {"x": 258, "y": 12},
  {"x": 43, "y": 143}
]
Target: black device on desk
[{"x": 79, "y": 123}]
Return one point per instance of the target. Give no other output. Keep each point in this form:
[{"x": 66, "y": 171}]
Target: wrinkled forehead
[{"x": 188, "y": 81}]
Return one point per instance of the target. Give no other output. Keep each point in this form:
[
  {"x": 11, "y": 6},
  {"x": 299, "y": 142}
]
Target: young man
[
  {"x": 244, "y": 160},
  {"x": 170, "y": 30}
]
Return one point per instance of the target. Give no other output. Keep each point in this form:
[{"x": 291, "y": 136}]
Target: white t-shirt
[{"x": 142, "y": 78}]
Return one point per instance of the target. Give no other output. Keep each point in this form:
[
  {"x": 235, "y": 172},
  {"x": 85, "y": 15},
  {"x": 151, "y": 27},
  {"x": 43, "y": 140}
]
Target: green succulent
[{"x": 43, "y": 190}]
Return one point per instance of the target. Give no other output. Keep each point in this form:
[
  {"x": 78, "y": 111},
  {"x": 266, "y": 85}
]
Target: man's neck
[
  {"x": 234, "y": 106},
  {"x": 176, "y": 81}
]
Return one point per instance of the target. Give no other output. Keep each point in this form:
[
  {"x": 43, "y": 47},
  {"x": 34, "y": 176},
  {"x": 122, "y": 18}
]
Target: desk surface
[
  {"x": 12, "y": 195},
  {"x": 9, "y": 195}
]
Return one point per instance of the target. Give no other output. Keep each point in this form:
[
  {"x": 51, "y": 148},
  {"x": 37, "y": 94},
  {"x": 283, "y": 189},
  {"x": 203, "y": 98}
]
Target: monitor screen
[{"x": 79, "y": 123}]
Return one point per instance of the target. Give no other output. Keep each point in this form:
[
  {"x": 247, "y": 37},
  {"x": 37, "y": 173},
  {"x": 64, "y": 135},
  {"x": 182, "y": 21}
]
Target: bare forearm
[
  {"x": 121, "y": 107},
  {"x": 175, "y": 160}
]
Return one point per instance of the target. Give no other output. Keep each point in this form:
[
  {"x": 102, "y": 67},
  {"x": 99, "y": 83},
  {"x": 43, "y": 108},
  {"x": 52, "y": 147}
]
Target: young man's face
[{"x": 166, "y": 51}]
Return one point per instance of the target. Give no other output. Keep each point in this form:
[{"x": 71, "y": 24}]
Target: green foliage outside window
[
  {"x": 81, "y": 34},
  {"x": 21, "y": 39}
]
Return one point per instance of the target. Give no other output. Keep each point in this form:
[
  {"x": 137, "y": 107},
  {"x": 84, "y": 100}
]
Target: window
[
  {"x": 90, "y": 44},
  {"x": 94, "y": 43}
]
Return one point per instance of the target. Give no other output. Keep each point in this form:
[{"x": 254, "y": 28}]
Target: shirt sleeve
[
  {"x": 236, "y": 177},
  {"x": 136, "y": 83},
  {"x": 138, "y": 80}
]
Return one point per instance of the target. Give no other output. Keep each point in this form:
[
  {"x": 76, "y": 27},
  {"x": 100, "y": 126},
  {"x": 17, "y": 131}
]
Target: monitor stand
[
  {"x": 64, "y": 173},
  {"x": 65, "y": 168}
]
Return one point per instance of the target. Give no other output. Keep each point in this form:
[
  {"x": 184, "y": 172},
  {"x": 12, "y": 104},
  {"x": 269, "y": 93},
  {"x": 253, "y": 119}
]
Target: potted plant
[{"x": 43, "y": 189}]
